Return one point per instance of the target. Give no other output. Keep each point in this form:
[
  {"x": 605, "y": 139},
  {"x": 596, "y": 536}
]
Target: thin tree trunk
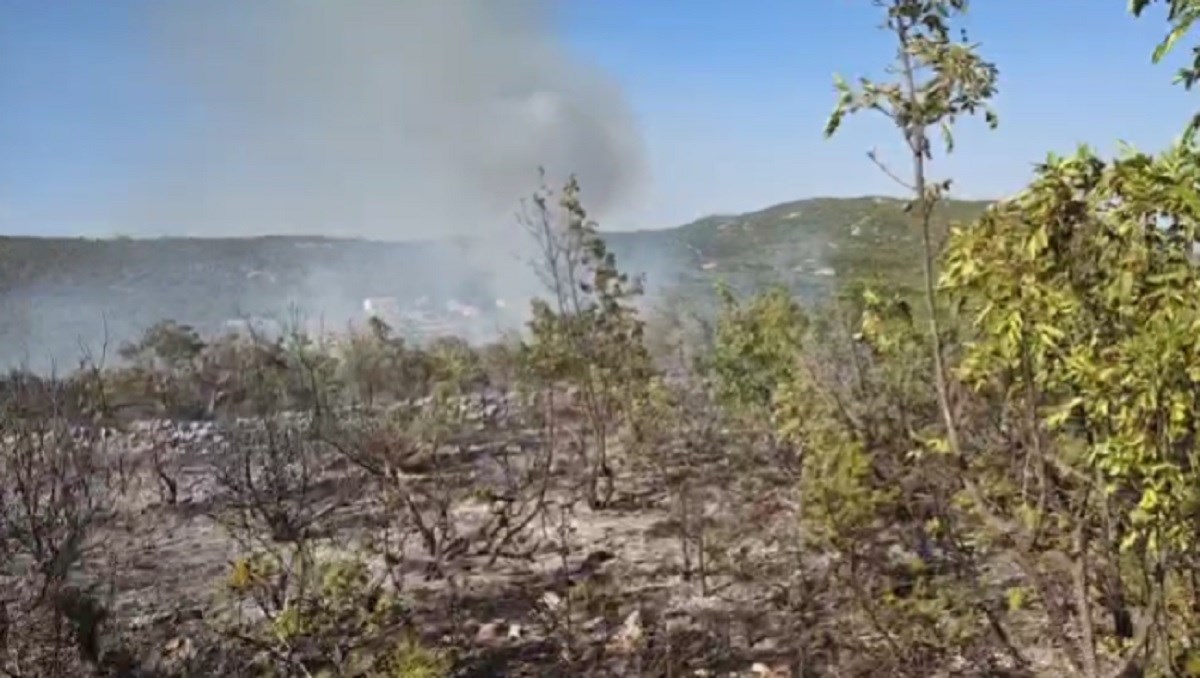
[{"x": 918, "y": 144}]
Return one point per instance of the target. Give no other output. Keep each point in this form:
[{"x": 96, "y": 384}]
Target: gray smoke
[{"x": 388, "y": 119}]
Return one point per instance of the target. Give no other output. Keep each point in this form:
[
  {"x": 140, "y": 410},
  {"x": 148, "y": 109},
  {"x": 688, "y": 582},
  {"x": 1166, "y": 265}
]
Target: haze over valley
[{"x": 62, "y": 296}]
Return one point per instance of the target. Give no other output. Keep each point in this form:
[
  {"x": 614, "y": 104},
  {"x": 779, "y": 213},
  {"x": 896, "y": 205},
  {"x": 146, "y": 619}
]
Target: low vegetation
[{"x": 989, "y": 471}]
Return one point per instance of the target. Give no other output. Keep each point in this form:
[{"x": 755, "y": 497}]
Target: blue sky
[{"x": 730, "y": 98}]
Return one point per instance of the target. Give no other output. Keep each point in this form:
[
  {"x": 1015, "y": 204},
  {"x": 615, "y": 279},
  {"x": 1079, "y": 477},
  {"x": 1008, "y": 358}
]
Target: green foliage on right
[{"x": 1181, "y": 15}]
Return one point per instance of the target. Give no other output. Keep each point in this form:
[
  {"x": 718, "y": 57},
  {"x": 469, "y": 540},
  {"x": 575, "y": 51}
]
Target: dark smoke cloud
[{"x": 374, "y": 118}]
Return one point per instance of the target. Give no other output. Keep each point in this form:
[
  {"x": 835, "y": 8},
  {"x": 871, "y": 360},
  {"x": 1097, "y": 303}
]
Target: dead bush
[
  {"x": 54, "y": 490},
  {"x": 272, "y": 477}
]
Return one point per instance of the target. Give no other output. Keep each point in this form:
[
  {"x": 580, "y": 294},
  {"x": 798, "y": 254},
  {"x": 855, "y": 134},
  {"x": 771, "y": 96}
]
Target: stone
[{"x": 488, "y": 633}]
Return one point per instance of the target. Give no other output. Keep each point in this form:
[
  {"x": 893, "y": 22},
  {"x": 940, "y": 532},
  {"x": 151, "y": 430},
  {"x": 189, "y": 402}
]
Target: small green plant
[{"x": 326, "y": 617}]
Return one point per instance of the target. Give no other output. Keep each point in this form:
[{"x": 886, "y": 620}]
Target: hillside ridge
[{"x": 55, "y": 290}]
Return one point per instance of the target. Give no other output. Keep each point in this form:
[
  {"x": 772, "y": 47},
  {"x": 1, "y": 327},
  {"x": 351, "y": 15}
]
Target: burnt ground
[
  {"x": 161, "y": 566},
  {"x": 620, "y": 599}
]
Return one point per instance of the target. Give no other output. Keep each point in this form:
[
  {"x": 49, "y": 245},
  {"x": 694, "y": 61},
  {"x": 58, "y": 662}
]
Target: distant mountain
[
  {"x": 55, "y": 292},
  {"x": 808, "y": 245}
]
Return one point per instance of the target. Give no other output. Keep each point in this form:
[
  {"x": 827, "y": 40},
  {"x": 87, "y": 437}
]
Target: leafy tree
[
  {"x": 589, "y": 335},
  {"x": 377, "y": 364},
  {"x": 1086, "y": 303},
  {"x": 939, "y": 80},
  {"x": 166, "y": 345},
  {"x": 167, "y": 363}
]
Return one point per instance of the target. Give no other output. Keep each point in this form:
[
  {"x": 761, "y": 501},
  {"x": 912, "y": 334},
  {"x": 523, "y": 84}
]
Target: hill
[
  {"x": 809, "y": 245},
  {"x": 55, "y": 292}
]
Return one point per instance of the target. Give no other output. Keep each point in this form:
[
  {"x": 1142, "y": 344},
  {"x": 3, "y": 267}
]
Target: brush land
[{"x": 835, "y": 438}]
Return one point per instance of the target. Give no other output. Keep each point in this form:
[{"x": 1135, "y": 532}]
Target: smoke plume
[{"x": 385, "y": 119}]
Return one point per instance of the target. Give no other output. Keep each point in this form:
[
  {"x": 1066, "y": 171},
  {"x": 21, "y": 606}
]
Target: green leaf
[
  {"x": 947, "y": 136},
  {"x": 1173, "y": 37},
  {"x": 1015, "y": 596}
]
